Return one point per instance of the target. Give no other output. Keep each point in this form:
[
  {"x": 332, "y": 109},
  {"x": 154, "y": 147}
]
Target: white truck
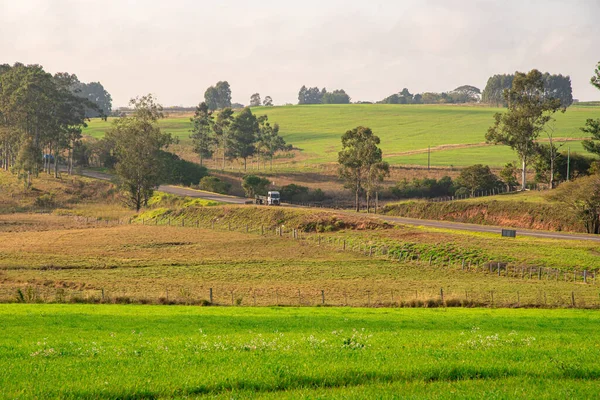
[{"x": 271, "y": 199}]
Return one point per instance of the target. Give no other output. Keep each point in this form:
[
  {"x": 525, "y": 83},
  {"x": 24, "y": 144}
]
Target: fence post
[
  {"x": 518, "y": 299},
  {"x": 430, "y": 257},
  {"x": 585, "y": 276},
  {"x": 322, "y": 297},
  {"x": 573, "y": 299},
  {"x": 442, "y": 294},
  {"x": 299, "y": 298},
  {"x": 210, "y": 295},
  {"x": 344, "y": 248},
  {"x": 498, "y": 269},
  {"x": 103, "y": 295}
]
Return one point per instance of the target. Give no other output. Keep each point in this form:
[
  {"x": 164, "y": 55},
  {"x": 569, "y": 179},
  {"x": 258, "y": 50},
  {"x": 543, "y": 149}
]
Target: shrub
[
  {"x": 180, "y": 172},
  {"x": 214, "y": 184},
  {"x": 254, "y": 185},
  {"x": 424, "y": 188},
  {"x": 45, "y": 200},
  {"x": 477, "y": 178},
  {"x": 298, "y": 193}
]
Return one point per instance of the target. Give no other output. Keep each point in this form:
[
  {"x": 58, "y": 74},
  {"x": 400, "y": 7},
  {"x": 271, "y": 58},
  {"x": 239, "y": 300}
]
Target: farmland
[
  {"x": 455, "y": 133},
  {"x": 95, "y": 351}
]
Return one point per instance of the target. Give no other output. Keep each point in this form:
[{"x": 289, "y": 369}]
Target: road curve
[{"x": 182, "y": 191}]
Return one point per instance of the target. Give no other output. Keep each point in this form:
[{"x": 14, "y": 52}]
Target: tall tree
[
  {"x": 138, "y": 141},
  {"x": 202, "y": 132},
  {"x": 269, "y": 141},
  {"x": 221, "y": 128},
  {"x": 98, "y": 95},
  {"x": 360, "y": 160},
  {"x": 268, "y": 101},
  {"x": 528, "y": 112},
  {"x": 255, "y": 100},
  {"x": 219, "y": 96},
  {"x": 335, "y": 97},
  {"x": 592, "y": 126},
  {"x": 595, "y": 80},
  {"x": 242, "y": 136}
]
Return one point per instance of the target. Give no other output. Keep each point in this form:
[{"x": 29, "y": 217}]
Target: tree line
[
  {"x": 315, "y": 95},
  {"x": 235, "y": 136},
  {"x": 554, "y": 86},
  {"x": 460, "y": 95},
  {"x": 42, "y": 117}
]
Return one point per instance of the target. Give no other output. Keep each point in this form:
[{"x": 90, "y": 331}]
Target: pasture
[
  {"x": 76, "y": 259},
  {"x": 454, "y": 133},
  {"x": 100, "y": 351}
]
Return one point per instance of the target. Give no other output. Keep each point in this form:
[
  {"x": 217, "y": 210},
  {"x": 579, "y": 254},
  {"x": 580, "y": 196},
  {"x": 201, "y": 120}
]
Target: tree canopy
[
  {"x": 219, "y": 96},
  {"x": 322, "y": 96},
  {"x": 554, "y": 86}
]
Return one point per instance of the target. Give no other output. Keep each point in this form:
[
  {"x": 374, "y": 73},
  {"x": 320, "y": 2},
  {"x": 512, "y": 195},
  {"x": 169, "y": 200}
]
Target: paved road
[
  {"x": 181, "y": 191},
  {"x": 177, "y": 190}
]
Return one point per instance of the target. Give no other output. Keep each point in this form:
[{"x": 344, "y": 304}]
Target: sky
[{"x": 176, "y": 49}]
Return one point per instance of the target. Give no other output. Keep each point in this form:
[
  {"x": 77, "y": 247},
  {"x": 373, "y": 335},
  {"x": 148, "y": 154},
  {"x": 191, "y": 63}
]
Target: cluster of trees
[
  {"x": 235, "y": 136},
  {"x": 42, "y": 116},
  {"x": 462, "y": 94},
  {"x": 554, "y": 86},
  {"x": 255, "y": 101},
  {"x": 322, "y": 96},
  {"x": 219, "y": 96}
]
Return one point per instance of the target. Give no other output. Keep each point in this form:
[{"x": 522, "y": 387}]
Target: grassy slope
[
  {"x": 150, "y": 352},
  {"x": 531, "y": 210},
  {"x": 153, "y": 262},
  {"x": 317, "y": 130}
]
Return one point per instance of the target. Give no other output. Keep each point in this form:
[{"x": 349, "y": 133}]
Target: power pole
[
  {"x": 568, "y": 162},
  {"x": 428, "y": 157}
]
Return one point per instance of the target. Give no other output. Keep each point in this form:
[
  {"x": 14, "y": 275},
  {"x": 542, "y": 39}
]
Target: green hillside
[{"x": 455, "y": 133}]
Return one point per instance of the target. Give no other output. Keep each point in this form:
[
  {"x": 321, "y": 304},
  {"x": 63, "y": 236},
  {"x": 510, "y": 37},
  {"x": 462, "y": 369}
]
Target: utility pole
[
  {"x": 568, "y": 163},
  {"x": 428, "y": 157}
]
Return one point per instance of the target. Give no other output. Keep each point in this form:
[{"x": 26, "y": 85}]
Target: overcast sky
[{"x": 176, "y": 49}]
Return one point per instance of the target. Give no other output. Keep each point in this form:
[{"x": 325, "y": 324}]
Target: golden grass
[{"x": 183, "y": 263}]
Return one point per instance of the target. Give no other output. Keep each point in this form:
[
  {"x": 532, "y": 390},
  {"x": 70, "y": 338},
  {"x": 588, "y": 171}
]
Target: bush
[
  {"x": 298, "y": 193},
  {"x": 180, "y": 172},
  {"x": 477, "y": 178},
  {"x": 424, "y": 188},
  {"x": 254, "y": 185},
  {"x": 214, "y": 184},
  {"x": 45, "y": 200}
]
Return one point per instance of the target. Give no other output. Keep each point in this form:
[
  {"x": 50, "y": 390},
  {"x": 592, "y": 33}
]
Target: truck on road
[{"x": 271, "y": 199}]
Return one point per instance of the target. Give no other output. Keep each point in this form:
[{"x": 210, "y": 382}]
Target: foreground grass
[
  {"x": 152, "y": 352},
  {"x": 316, "y": 130}
]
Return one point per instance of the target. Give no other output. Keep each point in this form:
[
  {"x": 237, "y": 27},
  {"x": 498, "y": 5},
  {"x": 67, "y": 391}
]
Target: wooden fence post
[
  {"x": 210, "y": 295},
  {"x": 322, "y": 297}
]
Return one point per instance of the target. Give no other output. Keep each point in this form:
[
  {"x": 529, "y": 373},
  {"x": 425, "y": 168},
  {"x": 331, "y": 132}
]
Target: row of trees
[
  {"x": 235, "y": 136},
  {"x": 315, "y": 95},
  {"x": 42, "y": 116},
  {"x": 255, "y": 101},
  {"x": 462, "y": 94},
  {"x": 553, "y": 86}
]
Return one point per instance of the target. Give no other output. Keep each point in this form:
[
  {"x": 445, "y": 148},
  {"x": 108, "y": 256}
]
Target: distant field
[
  {"x": 404, "y": 131},
  {"x": 150, "y": 352}
]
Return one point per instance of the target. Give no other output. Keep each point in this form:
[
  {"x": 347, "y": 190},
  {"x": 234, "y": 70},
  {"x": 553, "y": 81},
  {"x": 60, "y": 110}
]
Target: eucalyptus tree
[
  {"x": 202, "y": 132},
  {"x": 528, "y": 112},
  {"x": 360, "y": 161},
  {"x": 138, "y": 141}
]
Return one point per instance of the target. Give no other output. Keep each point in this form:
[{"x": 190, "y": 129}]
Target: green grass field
[
  {"x": 148, "y": 352},
  {"x": 403, "y": 130}
]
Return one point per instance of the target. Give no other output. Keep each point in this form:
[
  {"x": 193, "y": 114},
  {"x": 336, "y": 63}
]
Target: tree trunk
[
  {"x": 245, "y": 165},
  {"x": 357, "y": 201},
  {"x": 368, "y": 203},
  {"x": 551, "y": 168},
  {"x": 56, "y": 163}
]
